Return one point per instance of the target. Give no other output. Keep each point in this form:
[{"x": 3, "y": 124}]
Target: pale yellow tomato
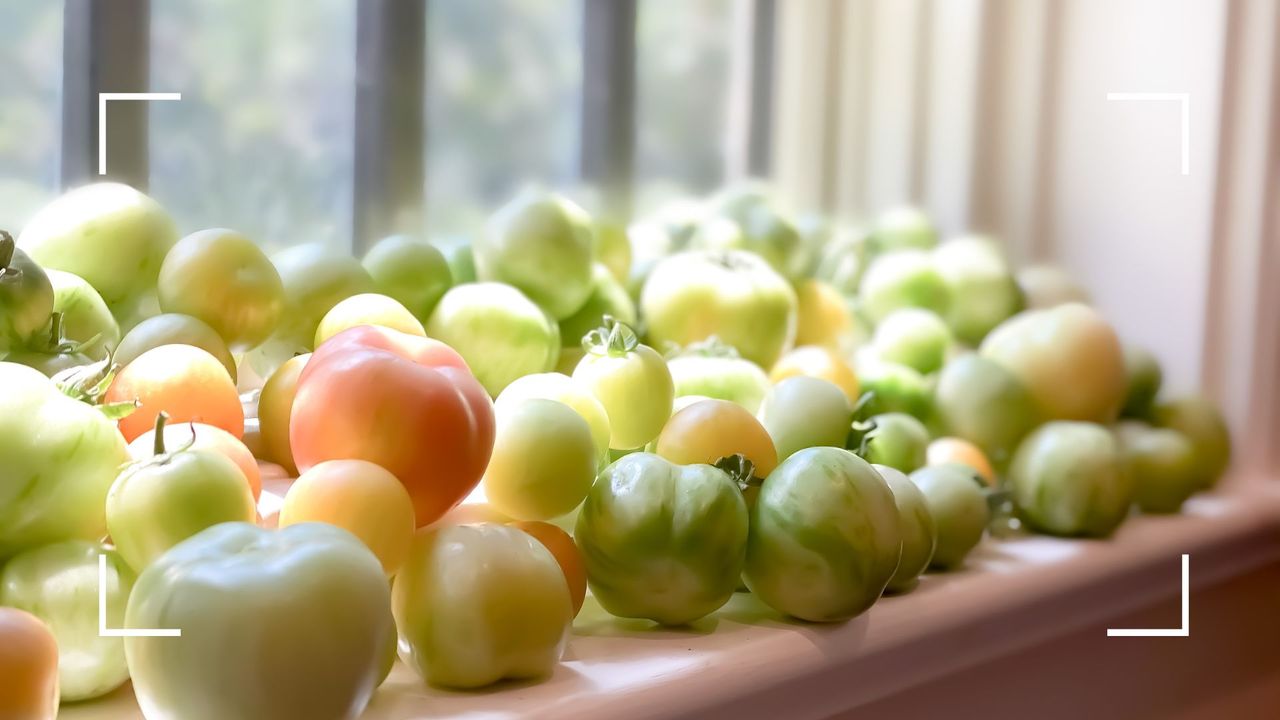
[
  {"x": 566, "y": 553},
  {"x": 823, "y": 315},
  {"x": 367, "y": 309},
  {"x": 819, "y": 362}
]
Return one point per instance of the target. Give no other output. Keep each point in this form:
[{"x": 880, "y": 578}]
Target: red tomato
[{"x": 407, "y": 403}]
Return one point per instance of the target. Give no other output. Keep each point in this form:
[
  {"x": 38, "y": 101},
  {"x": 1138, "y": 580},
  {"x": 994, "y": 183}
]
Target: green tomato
[
  {"x": 561, "y": 388},
  {"x": 903, "y": 227},
  {"x": 540, "y": 244},
  {"x": 174, "y": 329},
  {"x": 902, "y": 279},
  {"x": 612, "y": 248},
  {"x": 55, "y": 354},
  {"x": 661, "y": 541},
  {"x": 60, "y": 458},
  {"x": 412, "y": 271},
  {"x": 715, "y": 370},
  {"x": 897, "y": 440},
  {"x": 222, "y": 278},
  {"x": 844, "y": 259},
  {"x": 58, "y": 583},
  {"x": 733, "y": 295},
  {"x": 912, "y": 337},
  {"x": 157, "y": 503},
  {"x": 892, "y": 387},
  {"x": 978, "y": 400},
  {"x": 107, "y": 233},
  {"x": 26, "y": 296},
  {"x": 630, "y": 380},
  {"x": 462, "y": 262},
  {"x": 289, "y": 623},
  {"x": 501, "y": 333},
  {"x": 1068, "y": 358},
  {"x": 315, "y": 278},
  {"x": 766, "y": 231},
  {"x": 480, "y": 603},
  {"x": 1045, "y": 286},
  {"x": 803, "y": 412},
  {"x": 84, "y": 314},
  {"x": 1144, "y": 379},
  {"x": 825, "y": 536},
  {"x": 608, "y": 297},
  {"x": 959, "y": 509},
  {"x": 1069, "y": 478},
  {"x": 983, "y": 291},
  {"x": 1163, "y": 465},
  {"x": 543, "y": 463},
  {"x": 1202, "y": 423},
  {"x": 915, "y": 521}
]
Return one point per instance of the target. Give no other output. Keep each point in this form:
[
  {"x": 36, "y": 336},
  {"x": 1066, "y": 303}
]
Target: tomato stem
[{"x": 158, "y": 448}]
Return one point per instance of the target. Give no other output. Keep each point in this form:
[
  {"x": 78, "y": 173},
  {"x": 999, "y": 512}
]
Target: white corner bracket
[
  {"x": 1184, "y": 631},
  {"x": 103, "y": 630},
  {"x": 1184, "y": 99},
  {"x": 102, "y": 117}
]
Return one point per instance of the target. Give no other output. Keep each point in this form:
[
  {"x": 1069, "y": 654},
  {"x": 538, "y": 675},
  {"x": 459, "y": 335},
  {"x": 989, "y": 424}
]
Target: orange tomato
[
  {"x": 407, "y": 403},
  {"x": 708, "y": 430},
  {"x": 274, "y": 405},
  {"x": 947, "y": 450},
  {"x": 823, "y": 316},
  {"x": 819, "y": 362},
  {"x": 566, "y": 553},
  {"x": 182, "y": 380},
  {"x": 359, "y": 497},
  {"x": 206, "y": 437},
  {"x": 28, "y": 667}
]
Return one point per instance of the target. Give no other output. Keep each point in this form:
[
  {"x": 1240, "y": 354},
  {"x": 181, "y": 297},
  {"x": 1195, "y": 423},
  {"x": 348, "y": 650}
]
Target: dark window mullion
[
  {"x": 608, "y": 101},
  {"x": 105, "y": 48},
  {"x": 760, "y": 124},
  {"x": 388, "y": 192}
]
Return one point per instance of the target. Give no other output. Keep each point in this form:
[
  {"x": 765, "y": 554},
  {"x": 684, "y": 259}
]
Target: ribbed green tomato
[
  {"x": 630, "y": 380},
  {"x": 953, "y": 494},
  {"x": 411, "y": 270},
  {"x": 897, "y": 440},
  {"x": 107, "y": 233},
  {"x": 543, "y": 462},
  {"x": 1162, "y": 462},
  {"x": 541, "y": 244},
  {"x": 731, "y": 294},
  {"x": 289, "y": 623},
  {"x": 479, "y": 603},
  {"x": 902, "y": 279},
  {"x": 825, "y": 536},
  {"x": 915, "y": 521},
  {"x": 802, "y": 412},
  {"x": 1069, "y": 478},
  {"x": 501, "y": 333},
  {"x": 58, "y": 583},
  {"x": 662, "y": 541},
  {"x": 222, "y": 278},
  {"x": 1202, "y": 423}
]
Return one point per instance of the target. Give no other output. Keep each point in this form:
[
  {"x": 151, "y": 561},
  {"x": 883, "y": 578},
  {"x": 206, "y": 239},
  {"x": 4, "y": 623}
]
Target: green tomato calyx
[
  {"x": 613, "y": 337},
  {"x": 741, "y": 470},
  {"x": 88, "y": 383},
  {"x": 712, "y": 347}
]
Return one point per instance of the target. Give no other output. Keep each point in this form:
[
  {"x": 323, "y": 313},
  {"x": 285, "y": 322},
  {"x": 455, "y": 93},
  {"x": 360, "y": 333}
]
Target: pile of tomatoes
[{"x": 718, "y": 398}]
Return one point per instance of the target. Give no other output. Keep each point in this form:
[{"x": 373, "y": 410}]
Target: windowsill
[{"x": 1012, "y": 595}]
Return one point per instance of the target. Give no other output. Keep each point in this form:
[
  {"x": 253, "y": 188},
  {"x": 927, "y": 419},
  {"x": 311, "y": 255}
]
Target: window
[
  {"x": 504, "y": 86},
  {"x": 682, "y": 83},
  {"x": 31, "y": 55},
  {"x": 262, "y": 138}
]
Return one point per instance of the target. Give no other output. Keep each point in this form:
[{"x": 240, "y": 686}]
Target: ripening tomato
[
  {"x": 367, "y": 309},
  {"x": 202, "y": 436},
  {"x": 274, "y": 405},
  {"x": 184, "y": 381},
  {"x": 28, "y": 666},
  {"x": 948, "y": 450},
  {"x": 819, "y": 362},
  {"x": 407, "y": 403},
  {"x": 823, "y": 317},
  {"x": 566, "y": 553},
  {"x": 359, "y": 497},
  {"x": 709, "y": 430}
]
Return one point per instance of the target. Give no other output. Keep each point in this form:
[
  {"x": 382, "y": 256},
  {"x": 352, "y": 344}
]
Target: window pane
[
  {"x": 682, "y": 87},
  {"x": 31, "y": 55},
  {"x": 262, "y": 139},
  {"x": 504, "y": 85}
]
